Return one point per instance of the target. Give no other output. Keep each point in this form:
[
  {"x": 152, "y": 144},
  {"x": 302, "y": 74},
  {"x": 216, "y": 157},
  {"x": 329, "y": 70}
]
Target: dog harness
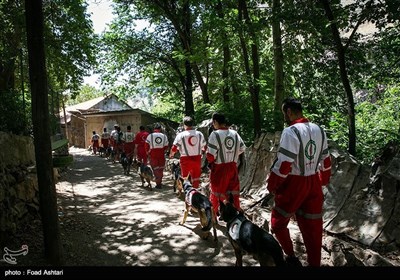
[
  {"x": 235, "y": 225},
  {"x": 188, "y": 197}
]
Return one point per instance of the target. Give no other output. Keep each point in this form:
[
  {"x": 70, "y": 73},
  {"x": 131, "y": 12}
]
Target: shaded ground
[{"x": 109, "y": 219}]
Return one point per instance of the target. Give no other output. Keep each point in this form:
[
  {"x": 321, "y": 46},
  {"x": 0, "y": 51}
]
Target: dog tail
[{"x": 205, "y": 219}]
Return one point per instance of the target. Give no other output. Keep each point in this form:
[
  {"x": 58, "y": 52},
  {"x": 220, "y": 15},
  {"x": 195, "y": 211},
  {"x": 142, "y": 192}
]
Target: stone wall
[{"x": 19, "y": 191}]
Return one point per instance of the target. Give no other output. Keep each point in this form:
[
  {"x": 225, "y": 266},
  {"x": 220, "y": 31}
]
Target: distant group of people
[
  {"x": 120, "y": 141},
  {"x": 301, "y": 168},
  {"x": 144, "y": 145}
]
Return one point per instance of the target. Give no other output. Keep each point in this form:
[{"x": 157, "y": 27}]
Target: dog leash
[{"x": 269, "y": 196}]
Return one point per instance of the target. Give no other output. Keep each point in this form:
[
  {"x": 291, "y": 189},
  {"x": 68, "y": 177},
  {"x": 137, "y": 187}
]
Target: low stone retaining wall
[{"x": 19, "y": 191}]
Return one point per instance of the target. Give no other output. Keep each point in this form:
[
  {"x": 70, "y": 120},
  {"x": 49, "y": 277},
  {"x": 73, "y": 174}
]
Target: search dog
[
  {"x": 248, "y": 238},
  {"x": 176, "y": 174},
  {"x": 197, "y": 202},
  {"x": 145, "y": 172},
  {"x": 126, "y": 162}
]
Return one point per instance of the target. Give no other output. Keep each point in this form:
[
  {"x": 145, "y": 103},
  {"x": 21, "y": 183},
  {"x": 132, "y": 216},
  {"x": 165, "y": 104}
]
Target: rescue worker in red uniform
[
  {"x": 190, "y": 143},
  {"x": 116, "y": 142},
  {"x": 113, "y": 136},
  {"x": 128, "y": 140},
  {"x": 140, "y": 140},
  {"x": 105, "y": 138},
  {"x": 95, "y": 142},
  {"x": 302, "y": 167},
  {"x": 223, "y": 150},
  {"x": 156, "y": 145}
]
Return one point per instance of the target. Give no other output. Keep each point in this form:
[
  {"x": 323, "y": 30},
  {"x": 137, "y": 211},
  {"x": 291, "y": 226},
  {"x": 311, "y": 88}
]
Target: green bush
[
  {"x": 13, "y": 118},
  {"x": 377, "y": 123}
]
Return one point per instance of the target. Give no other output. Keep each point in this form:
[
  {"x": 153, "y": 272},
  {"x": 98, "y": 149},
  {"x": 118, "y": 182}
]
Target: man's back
[
  {"x": 95, "y": 137},
  {"x": 190, "y": 142},
  {"x": 226, "y": 145},
  {"x": 306, "y": 140},
  {"x": 128, "y": 137},
  {"x": 140, "y": 138},
  {"x": 105, "y": 135},
  {"x": 157, "y": 140}
]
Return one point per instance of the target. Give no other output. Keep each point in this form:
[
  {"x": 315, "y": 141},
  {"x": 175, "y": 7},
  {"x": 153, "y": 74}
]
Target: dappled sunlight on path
[{"x": 108, "y": 218}]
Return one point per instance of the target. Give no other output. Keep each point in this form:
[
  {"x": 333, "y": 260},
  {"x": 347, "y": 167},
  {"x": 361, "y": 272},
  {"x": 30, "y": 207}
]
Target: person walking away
[
  {"x": 223, "y": 149},
  {"x": 113, "y": 136},
  {"x": 116, "y": 136},
  {"x": 95, "y": 142},
  {"x": 140, "y": 140},
  {"x": 191, "y": 144},
  {"x": 105, "y": 139},
  {"x": 302, "y": 167},
  {"x": 156, "y": 145},
  {"x": 128, "y": 140}
]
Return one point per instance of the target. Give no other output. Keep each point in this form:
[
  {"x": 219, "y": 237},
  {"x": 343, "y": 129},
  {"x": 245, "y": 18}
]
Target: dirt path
[{"x": 108, "y": 218}]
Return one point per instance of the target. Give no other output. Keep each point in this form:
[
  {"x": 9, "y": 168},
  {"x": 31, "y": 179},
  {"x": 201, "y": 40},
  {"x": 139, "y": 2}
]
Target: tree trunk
[
  {"x": 189, "y": 106},
  {"x": 41, "y": 131},
  {"x": 188, "y": 46},
  {"x": 227, "y": 56},
  {"x": 279, "y": 88},
  {"x": 253, "y": 80},
  {"x": 203, "y": 86},
  {"x": 351, "y": 119}
]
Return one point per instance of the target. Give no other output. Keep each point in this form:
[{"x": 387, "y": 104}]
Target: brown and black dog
[
  {"x": 197, "y": 202},
  {"x": 249, "y": 238},
  {"x": 145, "y": 172},
  {"x": 126, "y": 162},
  {"x": 176, "y": 174}
]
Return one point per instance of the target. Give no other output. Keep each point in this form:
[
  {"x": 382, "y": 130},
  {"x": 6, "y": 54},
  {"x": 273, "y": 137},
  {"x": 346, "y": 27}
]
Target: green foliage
[
  {"x": 12, "y": 118},
  {"x": 70, "y": 43},
  {"x": 338, "y": 130},
  {"x": 241, "y": 116},
  {"x": 85, "y": 93},
  {"x": 169, "y": 108},
  {"x": 378, "y": 123},
  {"x": 148, "y": 65}
]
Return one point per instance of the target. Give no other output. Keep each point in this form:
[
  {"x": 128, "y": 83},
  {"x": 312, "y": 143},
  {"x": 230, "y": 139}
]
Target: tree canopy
[{"x": 238, "y": 57}]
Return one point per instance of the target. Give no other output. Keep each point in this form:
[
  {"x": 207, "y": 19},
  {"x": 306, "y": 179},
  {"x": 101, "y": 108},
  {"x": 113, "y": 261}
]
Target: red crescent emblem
[{"x": 192, "y": 140}]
